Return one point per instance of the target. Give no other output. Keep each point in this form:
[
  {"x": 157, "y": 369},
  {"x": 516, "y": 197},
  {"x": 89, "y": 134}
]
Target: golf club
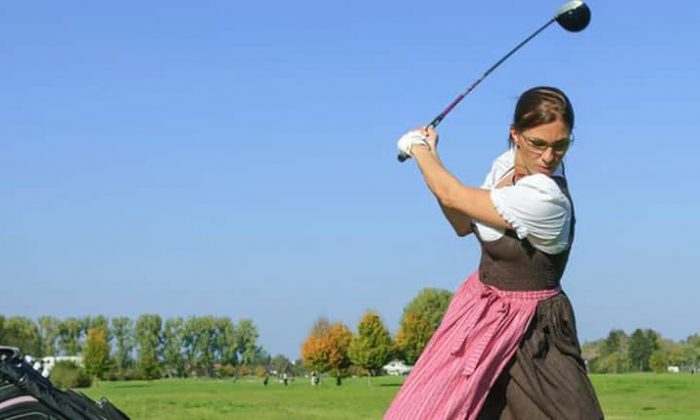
[{"x": 573, "y": 16}]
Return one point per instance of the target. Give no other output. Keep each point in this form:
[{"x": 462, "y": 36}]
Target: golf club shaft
[{"x": 434, "y": 123}]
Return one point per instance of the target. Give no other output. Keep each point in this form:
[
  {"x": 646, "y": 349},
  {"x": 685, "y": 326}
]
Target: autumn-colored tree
[
  {"x": 419, "y": 321},
  {"x": 338, "y": 341},
  {"x": 413, "y": 336},
  {"x": 96, "y": 356},
  {"x": 326, "y": 348},
  {"x": 314, "y": 352},
  {"x": 371, "y": 348}
]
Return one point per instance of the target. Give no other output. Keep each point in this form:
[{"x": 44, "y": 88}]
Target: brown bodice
[{"x": 509, "y": 263}]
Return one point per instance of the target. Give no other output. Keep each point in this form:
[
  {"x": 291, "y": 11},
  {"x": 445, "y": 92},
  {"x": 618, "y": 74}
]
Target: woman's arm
[
  {"x": 461, "y": 223},
  {"x": 462, "y": 202}
]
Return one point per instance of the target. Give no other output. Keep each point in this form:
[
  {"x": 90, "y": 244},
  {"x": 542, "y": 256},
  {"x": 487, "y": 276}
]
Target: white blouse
[{"x": 535, "y": 206}]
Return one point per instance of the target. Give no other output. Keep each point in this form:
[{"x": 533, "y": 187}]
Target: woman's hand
[
  {"x": 424, "y": 136},
  {"x": 431, "y": 137},
  {"x": 413, "y": 138}
]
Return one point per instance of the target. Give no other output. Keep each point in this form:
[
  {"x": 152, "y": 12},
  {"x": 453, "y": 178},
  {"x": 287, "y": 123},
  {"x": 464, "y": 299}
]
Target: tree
[
  {"x": 338, "y": 341},
  {"x": 314, "y": 352},
  {"x": 612, "y": 363},
  {"x": 590, "y": 350},
  {"x": 49, "y": 330},
  {"x": 691, "y": 350},
  {"x": 225, "y": 346},
  {"x": 206, "y": 342},
  {"x": 23, "y": 333},
  {"x": 122, "y": 329},
  {"x": 281, "y": 363},
  {"x": 189, "y": 341},
  {"x": 69, "y": 337},
  {"x": 371, "y": 348},
  {"x": 616, "y": 342},
  {"x": 148, "y": 337},
  {"x": 246, "y": 342},
  {"x": 96, "y": 357},
  {"x": 413, "y": 335},
  {"x": 670, "y": 353},
  {"x": 658, "y": 361},
  {"x": 99, "y": 322},
  {"x": 419, "y": 321},
  {"x": 173, "y": 344},
  {"x": 642, "y": 344},
  {"x": 613, "y": 354},
  {"x": 298, "y": 368}
]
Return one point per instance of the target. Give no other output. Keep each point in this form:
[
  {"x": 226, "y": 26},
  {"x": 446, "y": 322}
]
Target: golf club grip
[
  {"x": 402, "y": 157},
  {"x": 434, "y": 123}
]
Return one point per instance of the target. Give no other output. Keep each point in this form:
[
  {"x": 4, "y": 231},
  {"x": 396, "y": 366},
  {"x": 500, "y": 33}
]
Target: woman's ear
[{"x": 514, "y": 136}]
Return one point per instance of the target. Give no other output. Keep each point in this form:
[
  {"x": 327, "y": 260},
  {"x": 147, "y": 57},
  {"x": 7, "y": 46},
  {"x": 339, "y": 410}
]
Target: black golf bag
[{"x": 26, "y": 395}]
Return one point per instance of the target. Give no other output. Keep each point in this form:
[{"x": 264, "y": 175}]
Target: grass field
[{"x": 632, "y": 396}]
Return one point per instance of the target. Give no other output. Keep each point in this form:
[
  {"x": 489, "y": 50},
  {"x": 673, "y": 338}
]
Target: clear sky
[{"x": 238, "y": 158}]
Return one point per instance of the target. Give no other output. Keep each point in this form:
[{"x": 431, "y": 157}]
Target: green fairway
[{"x": 632, "y": 396}]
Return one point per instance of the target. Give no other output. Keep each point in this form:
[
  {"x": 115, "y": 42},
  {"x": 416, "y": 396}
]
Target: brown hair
[{"x": 542, "y": 105}]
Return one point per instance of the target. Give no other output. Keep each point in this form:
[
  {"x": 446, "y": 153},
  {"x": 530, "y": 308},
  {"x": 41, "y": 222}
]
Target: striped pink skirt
[{"x": 478, "y": 336}]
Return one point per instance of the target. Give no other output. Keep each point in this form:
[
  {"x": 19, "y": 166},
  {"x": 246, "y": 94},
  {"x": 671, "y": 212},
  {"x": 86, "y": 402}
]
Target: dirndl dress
[{"x": 507, "y": 345}]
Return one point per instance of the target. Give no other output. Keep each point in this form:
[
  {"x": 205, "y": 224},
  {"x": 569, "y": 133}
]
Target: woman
[{"x": 507, "y": 345}]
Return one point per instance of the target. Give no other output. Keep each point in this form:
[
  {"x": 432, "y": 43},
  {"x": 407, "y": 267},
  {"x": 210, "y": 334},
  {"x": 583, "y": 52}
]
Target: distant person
[
  {"x": 266, "y": 380},
  {"x": 285, "y": 378},
  {"x": 507, "y": 345},
  {"x": 314, "y": 378}
]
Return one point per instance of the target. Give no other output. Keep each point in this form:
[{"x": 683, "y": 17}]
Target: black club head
[{"x": 574, "y": 16}]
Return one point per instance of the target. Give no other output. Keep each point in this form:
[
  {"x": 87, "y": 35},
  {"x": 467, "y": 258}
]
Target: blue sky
[{"x": 238, "y": 158}]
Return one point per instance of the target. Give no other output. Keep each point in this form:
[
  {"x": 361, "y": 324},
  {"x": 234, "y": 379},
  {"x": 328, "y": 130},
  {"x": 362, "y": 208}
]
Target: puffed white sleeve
[{"x": 538, "y": 210}]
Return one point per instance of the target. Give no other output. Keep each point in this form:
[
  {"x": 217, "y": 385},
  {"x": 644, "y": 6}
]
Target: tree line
[
  {"x": 645, "y": 350},
  {"x": 333, "y": 348},
  {"x": 147, "y": 347}
]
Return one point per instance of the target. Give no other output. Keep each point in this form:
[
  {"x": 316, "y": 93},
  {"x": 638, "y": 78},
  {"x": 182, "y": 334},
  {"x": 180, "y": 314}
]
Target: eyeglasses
[{"x": 559, "y": 147}]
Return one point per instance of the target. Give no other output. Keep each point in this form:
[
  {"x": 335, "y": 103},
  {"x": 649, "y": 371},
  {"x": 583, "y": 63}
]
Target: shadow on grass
[{"x": 393, "y": 385}]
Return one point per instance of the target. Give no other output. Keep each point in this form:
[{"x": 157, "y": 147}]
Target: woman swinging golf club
[{"x": 507, "y": 345}]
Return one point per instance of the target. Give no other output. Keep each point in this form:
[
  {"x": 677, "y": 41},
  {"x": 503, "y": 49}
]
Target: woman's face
[{"x": 540, "y": 150}]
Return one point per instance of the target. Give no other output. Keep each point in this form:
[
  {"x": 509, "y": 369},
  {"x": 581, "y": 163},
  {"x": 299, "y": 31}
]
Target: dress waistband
[{"x": 518, "y": 294}]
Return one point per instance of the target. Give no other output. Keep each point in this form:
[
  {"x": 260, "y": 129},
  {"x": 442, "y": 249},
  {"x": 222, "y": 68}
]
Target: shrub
[
  {"x": 66, "y": 375},
  {"x": 227, "y": 370},
  {"x": 243, "y": 370},
  {"x": 260, "y": 371}
]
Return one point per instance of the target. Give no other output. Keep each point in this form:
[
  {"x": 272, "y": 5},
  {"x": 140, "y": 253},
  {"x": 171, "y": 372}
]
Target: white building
[
  {"x": 49, "y": 362},
  {"x": 397, "y": 368}
]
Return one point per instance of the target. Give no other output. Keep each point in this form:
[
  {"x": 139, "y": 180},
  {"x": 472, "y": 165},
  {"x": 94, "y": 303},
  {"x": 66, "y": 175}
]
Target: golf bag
[{"x": 26, "y": 395}]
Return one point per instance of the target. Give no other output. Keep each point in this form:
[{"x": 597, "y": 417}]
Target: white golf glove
[{"x": 411, "y": 138}]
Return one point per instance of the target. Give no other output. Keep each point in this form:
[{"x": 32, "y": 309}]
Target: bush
[
  {"x": 260, "y": 371},
  {"x": 227, "y": 370},
  {"x": 243, "y": 370},
  {"x": 66, "y": 375}
]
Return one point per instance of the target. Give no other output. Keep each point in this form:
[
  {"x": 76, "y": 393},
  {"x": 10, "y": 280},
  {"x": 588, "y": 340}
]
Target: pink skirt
[{"x": 479, "y": 334}]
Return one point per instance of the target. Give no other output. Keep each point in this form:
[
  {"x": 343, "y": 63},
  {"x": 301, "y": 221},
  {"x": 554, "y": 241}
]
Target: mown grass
[
  {"x": 648, "y": 395},
  {"x": 632, "y": 396}
]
